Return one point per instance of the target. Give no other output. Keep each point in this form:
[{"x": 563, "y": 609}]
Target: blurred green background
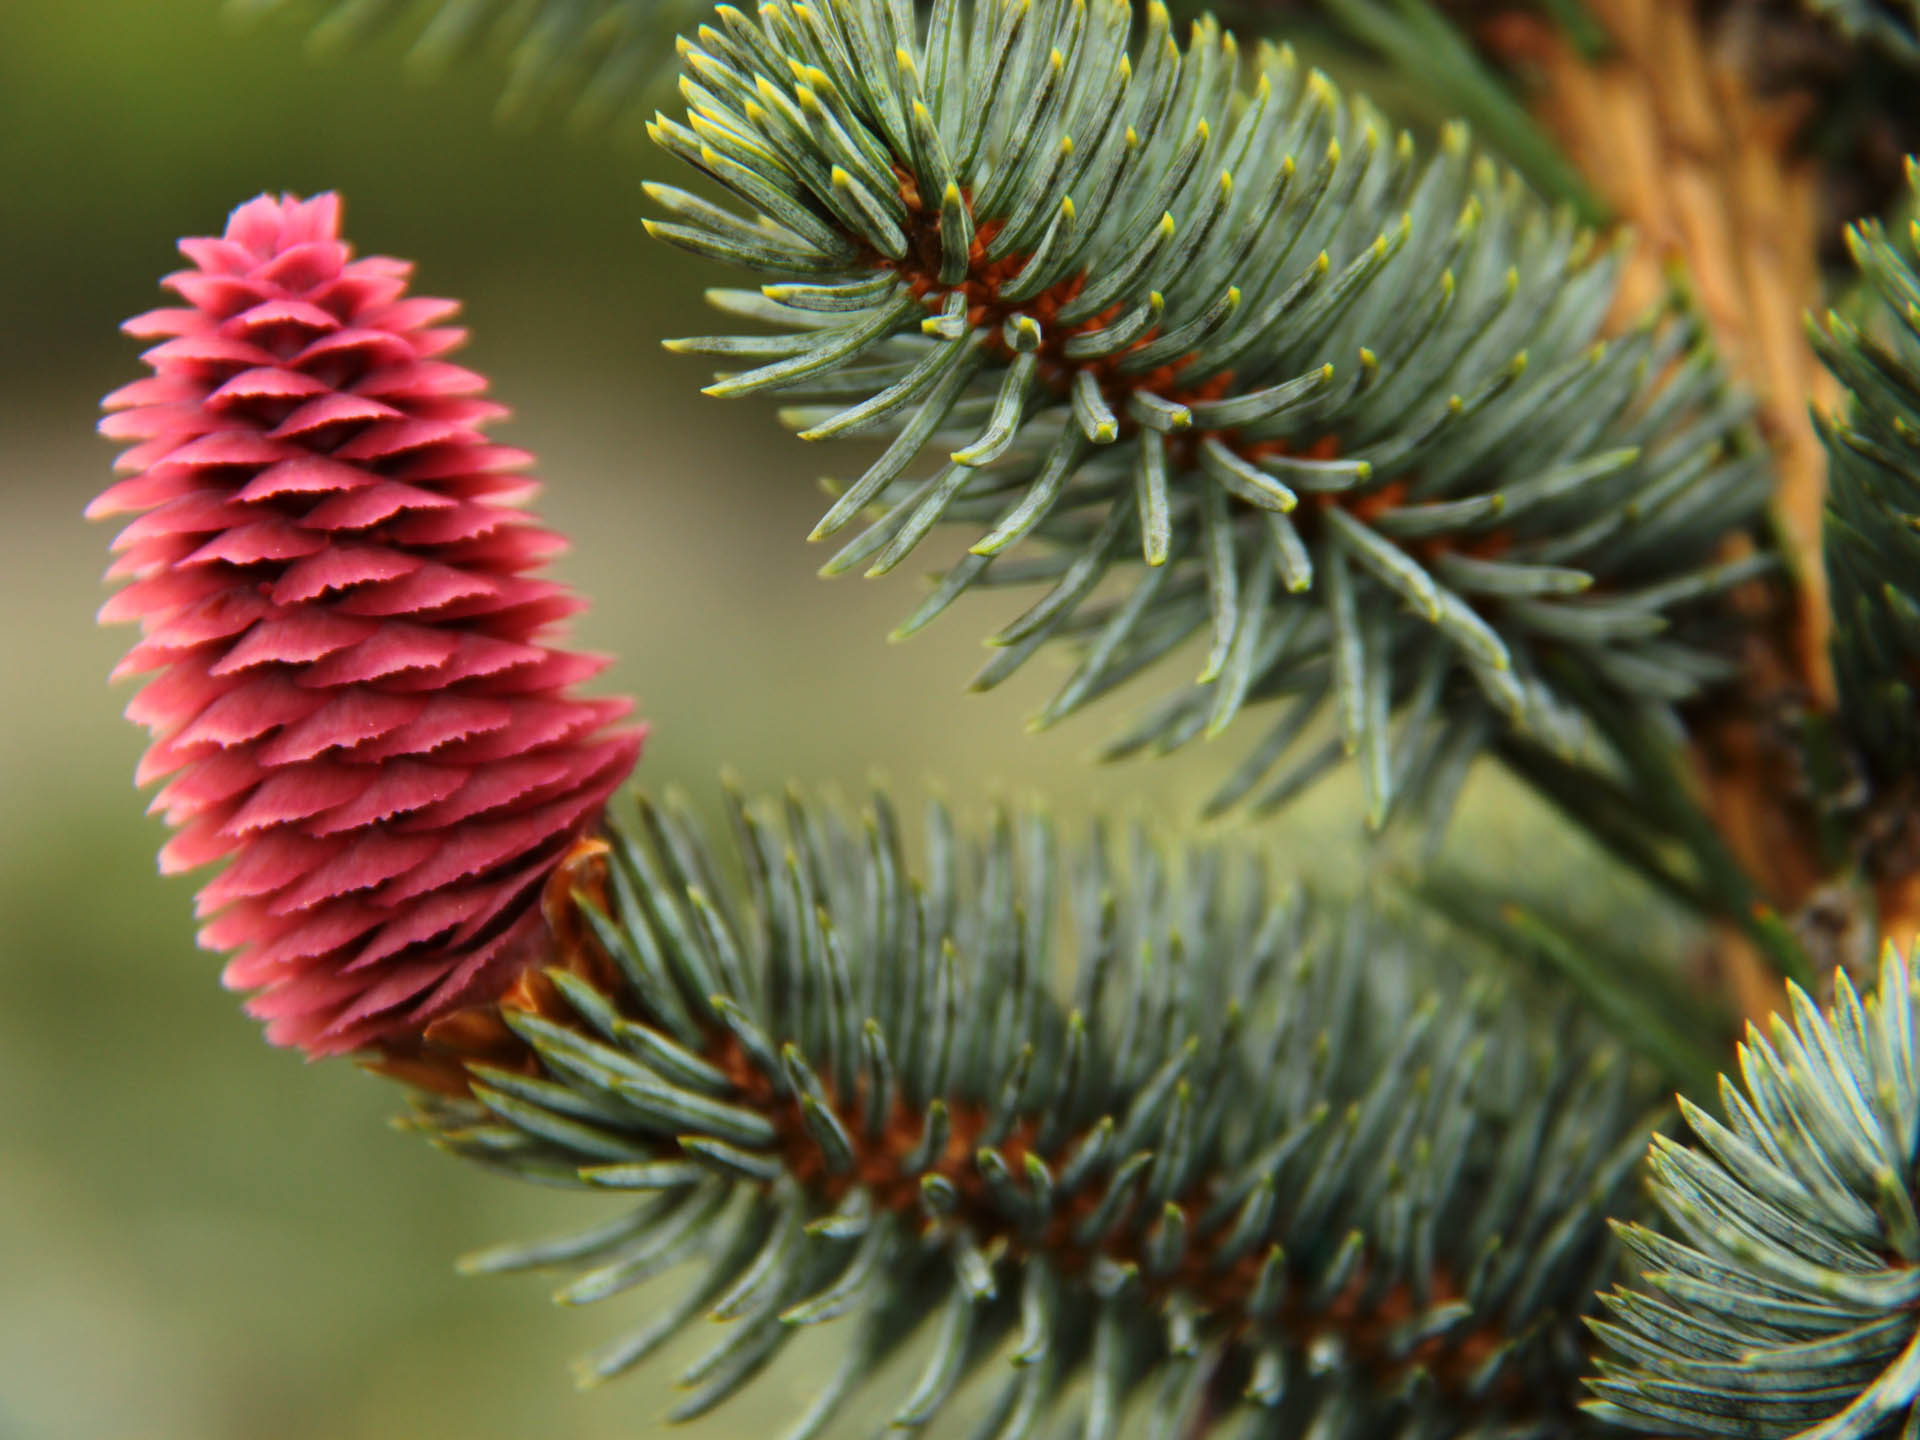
[{"x": 198, "y": 1237}]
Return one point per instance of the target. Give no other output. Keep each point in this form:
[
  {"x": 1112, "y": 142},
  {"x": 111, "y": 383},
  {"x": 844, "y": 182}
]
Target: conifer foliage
[
  {"x": 1257, "y": 1160},
  {"x": 1784, "y": 1299},
  {"x": 1352, "y": 407},
  {"x": 1892, "y": 25},
  {"x": 1124, "y": 1132},
  {"x": 592, "y": 59},
  {"x": 1872, "y": 549}
]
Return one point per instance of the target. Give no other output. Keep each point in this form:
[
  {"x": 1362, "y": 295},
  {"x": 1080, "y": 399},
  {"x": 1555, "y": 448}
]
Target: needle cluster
[
  {"x": 1355, "y": 409},
  {"x": 1111, "y": 1114}
]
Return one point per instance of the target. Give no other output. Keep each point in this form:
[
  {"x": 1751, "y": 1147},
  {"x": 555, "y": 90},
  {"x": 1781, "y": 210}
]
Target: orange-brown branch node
[{"x": 987, "y": 310}]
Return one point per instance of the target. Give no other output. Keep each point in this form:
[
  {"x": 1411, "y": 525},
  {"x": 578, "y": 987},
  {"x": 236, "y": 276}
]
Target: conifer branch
[
  {"x": 1871, "y": 549},
  {"x": 1645, "y": 1003},
  {"x": 1128, "y": 1129},
  {"x": 1891, "y": 25},
  {"x": 1784, "y": 1299},
  {"x": 1238, "y": 1158},
  {"x": 1350, "y": 408},
  {"x": 593, "y": 59},
  {"x": 1874, "y": 448},
  {"x": 1418, "y": 39}
]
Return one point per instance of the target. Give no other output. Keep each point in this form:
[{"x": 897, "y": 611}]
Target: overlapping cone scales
[{"x": 354, "y": 690}]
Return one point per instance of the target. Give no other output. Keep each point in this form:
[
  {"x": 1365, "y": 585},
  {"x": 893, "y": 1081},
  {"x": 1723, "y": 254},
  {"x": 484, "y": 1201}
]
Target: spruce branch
[
  {"x": 593, "y": 59},
  {"x": 1351, "y": 408},
  {"x": 1421, "y": 41},
  {"x": 1138, "y": 1118},
  {"x": 1785, "y": 1300},
  {"x": 1892, "y": 26},
  {"x": 1871, "y": 549},
  {"x": 1640, "y": 999}
]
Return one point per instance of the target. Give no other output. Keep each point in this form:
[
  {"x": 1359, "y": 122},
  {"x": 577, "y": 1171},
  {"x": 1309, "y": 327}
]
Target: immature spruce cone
[{"x": 355, "y": 697}]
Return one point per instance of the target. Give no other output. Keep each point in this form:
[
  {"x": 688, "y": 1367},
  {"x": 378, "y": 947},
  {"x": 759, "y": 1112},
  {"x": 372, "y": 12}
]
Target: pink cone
[{"x": 354, "y": 689}]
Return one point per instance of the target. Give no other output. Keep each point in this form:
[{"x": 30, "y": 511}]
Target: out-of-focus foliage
[
  {"x": 1893, "y": 25},
  {"x": 1872, "y": 548},
  {"x": 591, "y": 60}
]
